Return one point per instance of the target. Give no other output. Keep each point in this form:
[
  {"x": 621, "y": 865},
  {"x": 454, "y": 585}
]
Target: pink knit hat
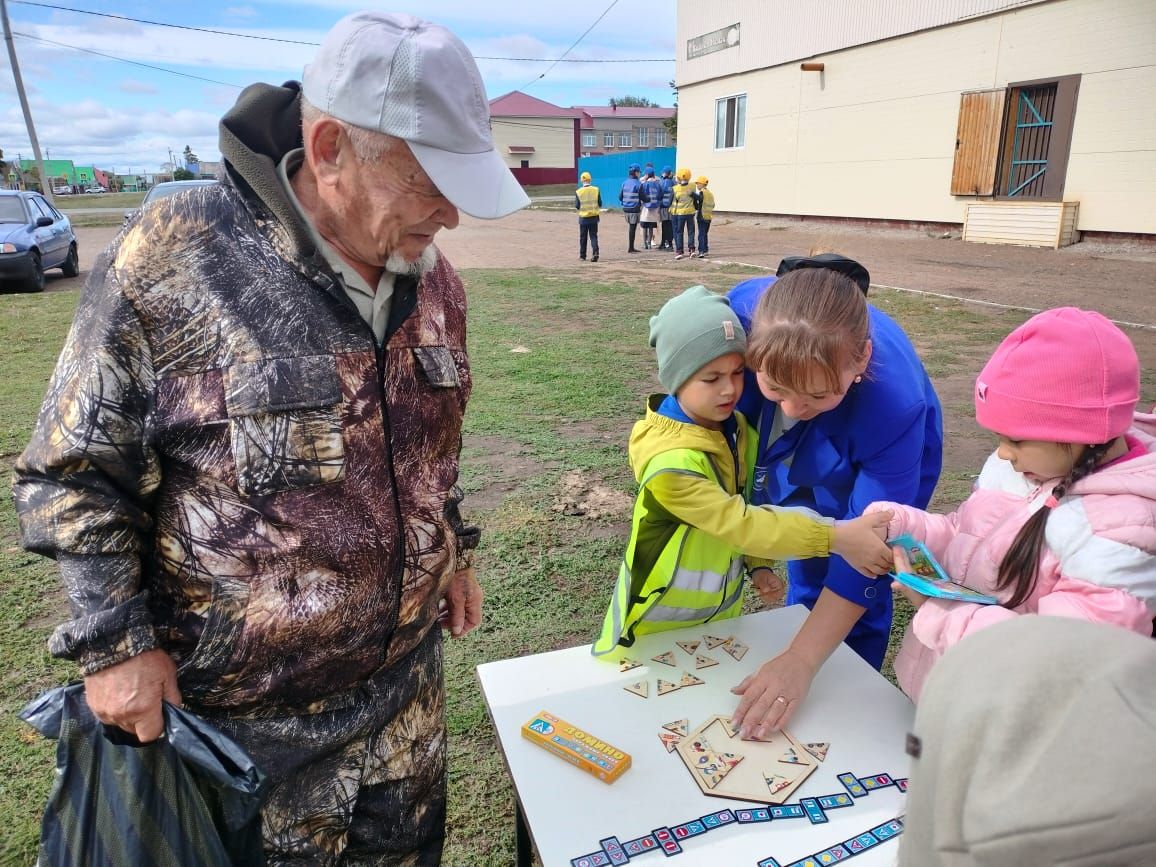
[{"x": 1064, "y": 376}]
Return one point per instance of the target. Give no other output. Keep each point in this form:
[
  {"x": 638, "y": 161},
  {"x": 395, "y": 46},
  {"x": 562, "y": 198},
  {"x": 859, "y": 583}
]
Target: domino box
[{"x": 578, "y": 747}]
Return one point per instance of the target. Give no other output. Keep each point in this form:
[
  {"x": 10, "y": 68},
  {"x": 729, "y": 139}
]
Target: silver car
[{"x": 163, "y": 191}]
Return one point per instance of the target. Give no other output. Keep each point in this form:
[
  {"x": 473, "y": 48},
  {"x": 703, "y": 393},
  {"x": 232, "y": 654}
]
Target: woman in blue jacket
[{"x": 846, "y": 415}]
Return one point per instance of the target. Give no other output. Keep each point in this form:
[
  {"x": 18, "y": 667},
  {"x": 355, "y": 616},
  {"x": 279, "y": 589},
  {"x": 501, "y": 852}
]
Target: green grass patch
[
  {"x": 537, "y": 417},
  {"x": 101, "y": 200}
]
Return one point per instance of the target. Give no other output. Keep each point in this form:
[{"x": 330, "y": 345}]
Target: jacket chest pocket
[{"x": 284, "y": 423}]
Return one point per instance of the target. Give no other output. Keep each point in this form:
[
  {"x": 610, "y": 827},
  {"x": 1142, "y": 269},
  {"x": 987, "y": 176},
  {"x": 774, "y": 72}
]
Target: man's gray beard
[{"x": 397, "y": 264}]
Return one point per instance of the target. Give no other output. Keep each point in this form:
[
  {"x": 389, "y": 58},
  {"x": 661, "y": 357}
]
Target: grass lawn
[
  {"x": 99, "y": 200},
  {"x": 552, "y": 189},
  {"x": 545, "y": 428}
]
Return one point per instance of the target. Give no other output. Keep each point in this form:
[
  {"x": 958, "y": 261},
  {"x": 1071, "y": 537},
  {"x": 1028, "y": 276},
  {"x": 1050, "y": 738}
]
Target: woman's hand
[
  {"x": 861, "y": 543},
  {"x": 771, "y": 587},
  {"x": 771, "y": 695}
]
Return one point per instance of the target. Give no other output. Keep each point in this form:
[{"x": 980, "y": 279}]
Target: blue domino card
[
  {"x": 877, "y": 781},
  {"x": 833, "y": 855},
  {"x": 809, "y": 861},
  {"x": 613, "y": 850},
  {"x": 640, "y": 845},
  {"x": 594, "y": 859},
  {"x": 861, "y": 843},
  {"x": 901, "y": 785},
  {"x": 851, "y": 784},
  {"x": 787, "y": 811},
  {"x": 887, "y": 829},
  {"x": 666, "y": 841},
  {"x": 769, "y": 862},
  {"x": 757, "y": 814},
  {"x": 814, "y": 811},
  {"x": 725, "y": 817},
  {"x": 833, "y": 802},
  {"x": 689, "y": 829}
]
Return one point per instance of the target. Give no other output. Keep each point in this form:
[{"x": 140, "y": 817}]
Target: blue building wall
[{"x": 607, "y": 172}]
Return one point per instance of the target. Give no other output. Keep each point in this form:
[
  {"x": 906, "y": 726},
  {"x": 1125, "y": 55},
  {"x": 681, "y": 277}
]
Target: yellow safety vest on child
[{"x": 588, "y": 201}]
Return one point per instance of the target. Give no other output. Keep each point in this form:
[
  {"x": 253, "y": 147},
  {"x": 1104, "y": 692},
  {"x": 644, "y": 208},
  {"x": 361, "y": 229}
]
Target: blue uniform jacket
[
  {"x": 884, "y": 441},
  {"x": 629, "y": 195}
]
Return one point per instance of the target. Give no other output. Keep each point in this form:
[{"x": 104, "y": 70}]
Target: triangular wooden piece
[
  {"x": 666, "y": 658},
  {"x": 627, "y": 664},
  {"x": 790, "y": 757},
  {"x": 689, "y": 679},
  {"x": 701, "y": 661},
  {"x": 689, "y": 646},
  {"x": 776, "y": 782},
  {"x": 712, "y": 642},
  {"x": 641, "y": 689},
  {"x": 714, "y": 766},
  {"x": 819, "y": 751},
  {"x": 736, "y": 649},
  {"x": 679, "y": 726},
  {"x": 665, "y": 686},
  {"x": 669, "y": 740}
]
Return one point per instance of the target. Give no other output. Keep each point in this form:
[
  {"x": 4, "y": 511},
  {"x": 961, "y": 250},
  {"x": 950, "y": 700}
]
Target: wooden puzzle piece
[
  {"x": 819, "y": 751},
  {"x": 689, "y": 679},
  {"x": 665, "y": 686},
  {"x": 627, "y": 664},
  {"x": 640, "y": 689},
  {"x": 666, "y": 658},
  {"x": 790, "y": 757},
  {"x": 689, "y": 646},
  {"x": 736, "y": 649},
  {"x": 776, "y": 782},
  {"x": 679, "y": 726},
  {"x": 701, "y": 661},
  {"x": 712, "y": 642},
  {"x": 714, "y": 766},
  {"x": 669, "y": 740}
]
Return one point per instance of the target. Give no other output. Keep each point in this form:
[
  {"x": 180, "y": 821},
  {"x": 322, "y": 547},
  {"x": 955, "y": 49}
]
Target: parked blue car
[{"x": 33, "y": 236}]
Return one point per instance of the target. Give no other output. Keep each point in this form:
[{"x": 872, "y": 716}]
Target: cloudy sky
[{"x": 125, "y": 116}]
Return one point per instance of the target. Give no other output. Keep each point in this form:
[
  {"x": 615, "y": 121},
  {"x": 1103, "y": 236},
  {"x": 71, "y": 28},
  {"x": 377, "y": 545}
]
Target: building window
[
  {"x": 730, "y": 122},
  {"x": 589, "y": 139},
  {"x": 643, "y": 137},
  {"x": 624, "y": 139},
  {"x": 660, "y": 137},
  {"x": 525, "y": 164},
  {"x": 607, "y": 139}
]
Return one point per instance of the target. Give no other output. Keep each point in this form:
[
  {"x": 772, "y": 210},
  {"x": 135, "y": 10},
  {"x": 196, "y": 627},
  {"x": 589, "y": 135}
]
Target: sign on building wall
[{"x": 708, "y": 43}]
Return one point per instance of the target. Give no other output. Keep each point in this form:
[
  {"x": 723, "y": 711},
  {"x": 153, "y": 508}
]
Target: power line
[
  {"x": 606, "y": 12},
  {"x": 125, "y": 60},
  {"x": 217, "y": 32}
]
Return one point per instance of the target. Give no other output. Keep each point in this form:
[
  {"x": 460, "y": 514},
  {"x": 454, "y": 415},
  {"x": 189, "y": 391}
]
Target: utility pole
[{"x": 45, "y": 184}]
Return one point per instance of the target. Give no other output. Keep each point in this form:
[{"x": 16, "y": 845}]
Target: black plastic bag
[{"x": 191, "y": 798}]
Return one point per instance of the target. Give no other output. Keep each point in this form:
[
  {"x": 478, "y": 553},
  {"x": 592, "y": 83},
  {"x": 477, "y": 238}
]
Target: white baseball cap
[{"x": 399, "y": 75}]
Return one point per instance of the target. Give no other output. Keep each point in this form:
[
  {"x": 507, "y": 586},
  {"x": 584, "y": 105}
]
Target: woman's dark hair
[{"x": 1020, "y": 566}]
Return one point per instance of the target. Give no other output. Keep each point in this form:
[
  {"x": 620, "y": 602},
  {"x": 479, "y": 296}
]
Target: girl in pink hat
[{"x": 1062, "y": 520}]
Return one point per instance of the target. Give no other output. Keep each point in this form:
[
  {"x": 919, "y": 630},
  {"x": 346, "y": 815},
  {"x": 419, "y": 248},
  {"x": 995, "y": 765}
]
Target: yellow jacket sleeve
[{"x": 759, "y": 531}]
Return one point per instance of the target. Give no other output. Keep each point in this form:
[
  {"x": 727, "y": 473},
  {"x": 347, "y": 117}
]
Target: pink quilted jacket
[{"x": 1099, "y": 562}]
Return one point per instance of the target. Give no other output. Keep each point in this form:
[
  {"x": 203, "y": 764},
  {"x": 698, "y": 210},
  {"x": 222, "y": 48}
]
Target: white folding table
[{"x": 568, "y": 813}]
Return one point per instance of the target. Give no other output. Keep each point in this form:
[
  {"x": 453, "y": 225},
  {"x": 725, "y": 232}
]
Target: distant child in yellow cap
[
  {"x": 588, "y": 203},
  {"x": 704, "y": 204},
  {"x": 682, "y": 210}
]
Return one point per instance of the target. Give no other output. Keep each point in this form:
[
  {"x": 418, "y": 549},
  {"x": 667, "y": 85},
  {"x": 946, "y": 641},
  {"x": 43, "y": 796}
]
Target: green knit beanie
[{"x": 692, "y": 330}]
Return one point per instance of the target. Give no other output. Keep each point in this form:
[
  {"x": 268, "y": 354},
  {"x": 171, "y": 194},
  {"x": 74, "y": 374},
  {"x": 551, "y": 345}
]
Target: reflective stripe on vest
[
  {"x": 707, "y": 211},
  {"x": 694, "y": 577},
  {"x": 588, "y": 196},
  {"x": 683, "y": 205}
]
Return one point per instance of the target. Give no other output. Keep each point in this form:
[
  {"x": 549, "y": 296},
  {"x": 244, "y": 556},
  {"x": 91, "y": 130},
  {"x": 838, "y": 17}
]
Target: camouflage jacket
[{"x": 228, "y": 467}]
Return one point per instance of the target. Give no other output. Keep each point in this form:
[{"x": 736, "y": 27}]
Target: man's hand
[
  {"x": 128, "y": 695},
  {"x": 461, "y": 608}
]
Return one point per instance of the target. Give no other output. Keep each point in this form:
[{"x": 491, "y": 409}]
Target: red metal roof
[
  {"x": 625, "y": 111},
  {"x": 518, "y": 104}
]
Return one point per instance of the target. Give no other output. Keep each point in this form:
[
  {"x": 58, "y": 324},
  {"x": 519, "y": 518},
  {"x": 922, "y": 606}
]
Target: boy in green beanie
[{"x": 694, "y": 536}]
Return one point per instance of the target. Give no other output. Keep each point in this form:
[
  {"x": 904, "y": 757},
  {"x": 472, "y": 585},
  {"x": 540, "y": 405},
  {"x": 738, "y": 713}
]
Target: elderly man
[{"x": 246, "y": 463}]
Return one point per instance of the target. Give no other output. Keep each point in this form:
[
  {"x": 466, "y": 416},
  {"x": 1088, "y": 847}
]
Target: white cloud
[{"x": 240, "y": 12}]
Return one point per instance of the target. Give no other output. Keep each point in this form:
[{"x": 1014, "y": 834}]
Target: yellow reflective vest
[
  {"x": 683, "y": 203},
  {"x": 706, "y": 209},
  {"x": 684, "y": 562},
  {"x": 588, "y": 201}
]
